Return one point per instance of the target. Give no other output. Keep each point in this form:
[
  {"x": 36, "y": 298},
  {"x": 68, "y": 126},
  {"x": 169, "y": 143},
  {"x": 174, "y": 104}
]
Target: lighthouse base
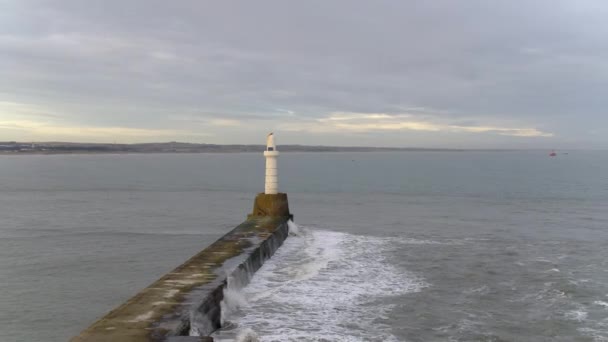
[{"x": 275, "y": 205}]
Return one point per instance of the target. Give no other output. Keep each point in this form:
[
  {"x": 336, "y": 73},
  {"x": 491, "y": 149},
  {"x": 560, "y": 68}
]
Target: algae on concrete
[{"x": 275, "y": 205}]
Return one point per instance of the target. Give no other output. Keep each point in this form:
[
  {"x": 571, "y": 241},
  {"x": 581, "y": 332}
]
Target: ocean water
[{"x": 417, "y": 246}]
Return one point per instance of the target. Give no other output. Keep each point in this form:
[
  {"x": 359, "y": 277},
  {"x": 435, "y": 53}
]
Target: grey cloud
[{"x": 539, "y": 64}]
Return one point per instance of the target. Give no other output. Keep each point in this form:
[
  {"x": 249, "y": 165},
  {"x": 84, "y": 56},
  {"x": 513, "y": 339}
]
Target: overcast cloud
[{"x": 524, "y": 74}]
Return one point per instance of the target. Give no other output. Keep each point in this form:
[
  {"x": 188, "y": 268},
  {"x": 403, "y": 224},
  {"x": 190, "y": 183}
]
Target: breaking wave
[{"x": 322, "y": 286}]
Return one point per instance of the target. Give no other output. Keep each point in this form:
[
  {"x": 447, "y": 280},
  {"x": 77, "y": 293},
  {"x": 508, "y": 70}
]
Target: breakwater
[{"x": 187, "y": 301}]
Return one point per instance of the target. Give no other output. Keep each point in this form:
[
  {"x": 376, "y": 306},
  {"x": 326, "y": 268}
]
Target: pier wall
[{"x": 188, "y": 299}]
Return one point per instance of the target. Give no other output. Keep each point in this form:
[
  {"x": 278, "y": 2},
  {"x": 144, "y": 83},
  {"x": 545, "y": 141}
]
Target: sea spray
[
  {"x": 234, "y": 299},
  {"x": 200, "y": 325},
  {"x": 294, "y": 230},
  {"x": 247, "y": 335}
]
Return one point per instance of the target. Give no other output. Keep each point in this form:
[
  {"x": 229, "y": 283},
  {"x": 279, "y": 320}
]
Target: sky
[{"x": 441, "y": 73}]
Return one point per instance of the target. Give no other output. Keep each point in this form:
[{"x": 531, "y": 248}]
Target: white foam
[
  {"x": 484, "y": 289},
  {"x": 595, "y": 334},
  {"x": 324, "y": 285},
  {"x": 411, "y": 241},
  {"x": 601, "y": 303},
  {"x": 576, "y": 315},
  {"x": 247, "y": 335}
]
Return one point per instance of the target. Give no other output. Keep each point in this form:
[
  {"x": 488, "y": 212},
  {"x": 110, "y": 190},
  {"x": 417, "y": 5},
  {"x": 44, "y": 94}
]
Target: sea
[{"x": 385, "y": 246}]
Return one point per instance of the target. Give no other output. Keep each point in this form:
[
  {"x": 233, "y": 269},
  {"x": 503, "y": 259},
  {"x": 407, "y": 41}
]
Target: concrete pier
[
  {"x": 188, "y": 298},
  {"x": 185, "y": 304}
]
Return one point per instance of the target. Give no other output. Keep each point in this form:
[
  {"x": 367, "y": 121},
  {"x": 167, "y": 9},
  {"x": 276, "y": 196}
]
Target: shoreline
[{"x": 53, "y": 153}]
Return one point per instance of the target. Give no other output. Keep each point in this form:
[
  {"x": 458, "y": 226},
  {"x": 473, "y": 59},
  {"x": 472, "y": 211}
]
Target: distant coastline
[{"x": 13, "y": 148}]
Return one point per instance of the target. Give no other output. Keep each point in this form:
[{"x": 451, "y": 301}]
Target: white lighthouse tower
[
  {"x": 272, "y": 183},
  {"x": 271, "y": 203}
]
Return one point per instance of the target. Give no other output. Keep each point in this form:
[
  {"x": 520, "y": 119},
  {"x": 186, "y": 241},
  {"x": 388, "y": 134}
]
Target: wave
[{"x": 323, "y": 286}]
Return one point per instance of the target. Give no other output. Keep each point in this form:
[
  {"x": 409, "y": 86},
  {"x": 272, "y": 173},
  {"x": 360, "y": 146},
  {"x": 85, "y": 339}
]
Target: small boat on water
[{"x": 552, "y": 154}]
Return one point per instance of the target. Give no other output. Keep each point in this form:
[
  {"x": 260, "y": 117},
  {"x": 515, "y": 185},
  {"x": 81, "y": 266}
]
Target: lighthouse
[
  {"x": 271, "y": 186},
  {"x": 271, "y": 203}
]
